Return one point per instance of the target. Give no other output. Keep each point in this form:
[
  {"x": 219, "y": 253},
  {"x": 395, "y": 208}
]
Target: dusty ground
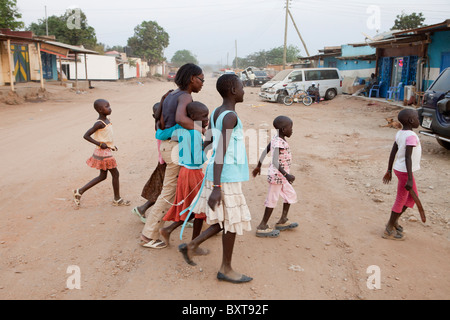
[{"x": 340, "y": 155}]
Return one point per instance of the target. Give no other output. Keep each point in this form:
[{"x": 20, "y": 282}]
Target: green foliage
[
  {"x": 82, "y": 34},
  {"x": 273, "y": 56},
  {"x": 411, "y": 21},
  {"x": 9, "y": 15},
  {"x": 182, "y": 57},
  {"x": 149, "y": 42}
]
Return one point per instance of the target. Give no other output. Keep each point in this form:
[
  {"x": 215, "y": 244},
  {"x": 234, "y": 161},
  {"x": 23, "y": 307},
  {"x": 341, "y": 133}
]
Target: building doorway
[
  {"x": 21, "y": 62},
  {"x": 397, "y": 71}
]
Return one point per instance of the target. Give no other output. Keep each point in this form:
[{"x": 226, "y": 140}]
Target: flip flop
[
  {"x": 267, "y": 233},
  {"x": 155, "y": 244},
  {"x": 243, "y": 279},
  {"x": 287, "y": 225},
  {"x": 183, "y": 249},
  {"x": 136, "y": 212},
  {"x": 77, "y": 197},
  {"x": 398, "y": 227},
  {"x": 121, "y": 203},
  {"x": 393, "y": 235}
]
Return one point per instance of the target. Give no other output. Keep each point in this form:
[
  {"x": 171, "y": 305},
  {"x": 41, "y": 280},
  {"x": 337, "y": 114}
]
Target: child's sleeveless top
[
  {"x": 105, "y": 135},
  {"x": 235, "y": 168}
]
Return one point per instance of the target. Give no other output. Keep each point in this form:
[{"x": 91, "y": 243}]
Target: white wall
[
  {"x": 360, "y": 73},
  {"x": 99, "y": 68}
]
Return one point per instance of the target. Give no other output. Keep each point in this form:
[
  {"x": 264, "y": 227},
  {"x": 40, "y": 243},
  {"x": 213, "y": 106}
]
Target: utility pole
[
  {"x": 285, "y": 34},
  {"x": 235, "y": 61},
  {"x": 46, "y": 22}
]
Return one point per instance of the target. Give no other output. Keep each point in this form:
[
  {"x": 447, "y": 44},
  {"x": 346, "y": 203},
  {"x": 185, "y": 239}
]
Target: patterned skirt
[
  {"x": 102, "y": 159},
  {"x": 232, "y": 214}
]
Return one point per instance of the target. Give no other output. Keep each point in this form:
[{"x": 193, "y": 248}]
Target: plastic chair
[
  {"x": 394, "y": 92},
  {"x": 375, "y": 88}
]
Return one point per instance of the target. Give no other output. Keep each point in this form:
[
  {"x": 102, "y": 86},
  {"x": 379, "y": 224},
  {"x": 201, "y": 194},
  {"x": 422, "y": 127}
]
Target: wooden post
[
  {"x": 76, "y": 70},
  {"x": 86, "y": 68},
  {"x": 11, "y": 65},
  {"x": 40, "y": 65},
  {"x": 60, "y": 70}
]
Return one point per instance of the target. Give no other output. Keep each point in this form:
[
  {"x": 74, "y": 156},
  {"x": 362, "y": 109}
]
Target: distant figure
[
  {"x": 252, "y": 78},
  {"x": 314, "y": 92},
  {"x": 102, "y": 159},
  {"x": 408, "y": 150},
  {"x": 372, "y": 81},
  {"x": 279, "y": 178}
]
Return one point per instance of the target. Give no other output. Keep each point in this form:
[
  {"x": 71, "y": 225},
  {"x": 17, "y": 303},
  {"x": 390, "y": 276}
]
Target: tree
[
  {"x": 9, "y": 15},
  {"x": 66, "y": 31},
  {"x": 273, "y": 56},
  {"x": 182, "y": 57},
  {"x": 411, "y": 21},
  {"x": 149, "y": 42}
]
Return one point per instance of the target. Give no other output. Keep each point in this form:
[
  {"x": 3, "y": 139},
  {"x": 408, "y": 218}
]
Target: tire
[
  {"x": 444, "y": 144},
  {"x": 307, "y": 100},
  {"x": 288, "y": 100},
  {"x": 300, "y": 93},
  {"x": 281, "y": 96},
  {"x": 330, "y": 94}
]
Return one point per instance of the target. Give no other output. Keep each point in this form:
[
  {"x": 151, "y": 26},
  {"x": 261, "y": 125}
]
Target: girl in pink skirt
[
  {"x": 102, "y": 159},
  {"x": 405, "y": 159},
  {"x": 279, "y": 178}
]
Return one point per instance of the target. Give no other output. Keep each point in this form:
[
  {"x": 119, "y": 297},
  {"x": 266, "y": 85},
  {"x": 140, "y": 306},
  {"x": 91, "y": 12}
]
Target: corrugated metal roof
[{"x": 71, "y": 48}]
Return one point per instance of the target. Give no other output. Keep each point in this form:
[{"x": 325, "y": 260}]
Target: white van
[{"x": 329, "y": 81}]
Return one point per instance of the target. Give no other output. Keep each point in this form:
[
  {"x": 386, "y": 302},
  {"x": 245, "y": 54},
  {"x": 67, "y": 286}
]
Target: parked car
[
  {"x": 261, "y": 77},
  {"x": 434, "y": 114},
  {"x": 171, "y": 76},
  {"x": 329, "y": 81}
]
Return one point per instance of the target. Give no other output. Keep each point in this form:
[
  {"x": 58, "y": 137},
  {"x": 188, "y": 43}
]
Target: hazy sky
[{"x": 211, "y": 28}]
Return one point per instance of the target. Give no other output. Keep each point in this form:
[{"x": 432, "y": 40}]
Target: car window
[
  {"x": 281, "y": 75},
  {"x": 328, "y": 74},
  {"x": 260, "y": 73},
  {"x": 442, "y": 84},
  {"x": 296, "y": 76},
  {"x": 312, "y": 75}
]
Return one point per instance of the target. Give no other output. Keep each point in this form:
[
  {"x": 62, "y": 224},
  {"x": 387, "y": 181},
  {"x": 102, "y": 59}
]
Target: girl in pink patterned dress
[
  {"x": 102, "y": 159},
  {"x": 279, "y": 178}
]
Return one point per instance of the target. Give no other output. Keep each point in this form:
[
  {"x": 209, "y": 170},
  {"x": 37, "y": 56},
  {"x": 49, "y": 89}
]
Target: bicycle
[{"x": 297, "y": 96}]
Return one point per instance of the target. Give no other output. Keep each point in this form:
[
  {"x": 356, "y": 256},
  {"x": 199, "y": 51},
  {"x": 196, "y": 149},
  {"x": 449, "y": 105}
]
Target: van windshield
[{"x": 281, "y": 75}]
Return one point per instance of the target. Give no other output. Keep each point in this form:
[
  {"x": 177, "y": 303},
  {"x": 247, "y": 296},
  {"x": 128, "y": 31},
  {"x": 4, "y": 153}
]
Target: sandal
[
  {"x": 137, "y": 213},
  {"x": 77, "y": 197},
  {"x": 267, "y": 233},
  {"x": 121, "y": 203},
  {"x": 285, "y": 226},
  {"x": 154, "y": 244},
  {"x": 393, "y": 235}
]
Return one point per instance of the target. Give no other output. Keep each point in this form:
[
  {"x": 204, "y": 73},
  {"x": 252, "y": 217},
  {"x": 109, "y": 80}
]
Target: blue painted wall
[
  {"x": 440, "y": 44},
  {"x": 351, "y": 64},
  {"x": 49, "y": 66},
  {"x": 350, "y": 51}
]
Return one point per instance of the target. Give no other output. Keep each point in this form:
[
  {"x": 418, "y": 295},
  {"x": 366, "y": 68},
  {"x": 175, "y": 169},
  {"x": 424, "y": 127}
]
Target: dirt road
[{"x": 340, "y": 155}]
